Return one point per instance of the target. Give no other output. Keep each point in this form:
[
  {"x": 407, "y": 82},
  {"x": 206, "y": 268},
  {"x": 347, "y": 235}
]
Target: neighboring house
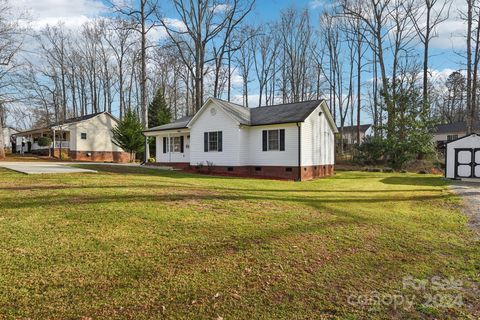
[
  {"x": 10, "y": 139},
  {"x": 350, "y": 134},
  {"x": 451, "y": 131},
  {"x": 87, "y": 138},
  {"x": 290, "y": 141}
]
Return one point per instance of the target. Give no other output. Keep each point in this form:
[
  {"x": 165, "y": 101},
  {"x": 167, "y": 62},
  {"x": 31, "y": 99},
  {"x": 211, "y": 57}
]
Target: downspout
[{"x": 299, "y": 178}]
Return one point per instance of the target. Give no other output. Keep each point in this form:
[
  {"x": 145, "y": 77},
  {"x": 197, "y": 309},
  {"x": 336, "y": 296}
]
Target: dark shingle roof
[
  {"x": 177, "y": 124},
  {"x": 455, "y": 127},
  {"x": 78, "y": 119},
  {"x": 363, "y": 128},
  {"x": 71, "y": 120},
  {"x": 283, "y": 113}
]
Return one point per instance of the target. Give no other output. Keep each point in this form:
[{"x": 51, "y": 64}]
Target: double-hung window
[
  {"x": 273, "y": 140},
  {"x": 212, "y": 141}
]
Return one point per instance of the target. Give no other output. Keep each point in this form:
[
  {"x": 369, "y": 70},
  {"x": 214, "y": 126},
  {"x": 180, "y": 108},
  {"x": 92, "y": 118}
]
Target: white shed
[{"x": 462, "y": 159}]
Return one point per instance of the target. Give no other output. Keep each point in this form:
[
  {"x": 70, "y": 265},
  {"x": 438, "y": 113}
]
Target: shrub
[
  {"x": 151, "y": 160},
  {"x": 44, "y": 141},
  {"x": 371, "y": 150}
]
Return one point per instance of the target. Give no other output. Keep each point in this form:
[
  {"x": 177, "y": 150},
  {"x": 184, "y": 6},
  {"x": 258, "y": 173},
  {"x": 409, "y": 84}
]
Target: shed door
[
  {"x": 467, "y": 163},
  {"x": 476, "y": 163},
  {"x": 463, "y": 163}
]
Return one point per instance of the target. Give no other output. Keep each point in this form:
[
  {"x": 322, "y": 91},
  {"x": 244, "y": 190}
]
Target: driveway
[
  {"x": 470, "y": 192},
  {"x": 39, "y": 167}
]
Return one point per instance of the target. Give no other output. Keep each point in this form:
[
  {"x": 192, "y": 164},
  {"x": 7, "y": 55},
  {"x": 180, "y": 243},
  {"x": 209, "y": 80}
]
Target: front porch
[
  {"x": 60, "y": 142},
  {"x": 172, "y": 147}
]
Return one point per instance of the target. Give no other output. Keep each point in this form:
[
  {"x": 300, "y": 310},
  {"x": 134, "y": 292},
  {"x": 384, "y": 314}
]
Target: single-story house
[
  {"x": 288, "y": 141},
  {"x": 462, "y": 157},
  {"x": 444, "y": 133},
  {"x": 10, "y": 140},
  {"x": 86, "y": 138},
  {"x": 350, "y": 134}
]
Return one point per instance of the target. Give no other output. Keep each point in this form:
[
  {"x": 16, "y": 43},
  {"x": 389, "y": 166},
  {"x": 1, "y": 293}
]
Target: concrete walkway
[
  {"x": 470, "y": 192},
  {"x": 42, "y": 167},
  {"x": 39, "y": 167}
]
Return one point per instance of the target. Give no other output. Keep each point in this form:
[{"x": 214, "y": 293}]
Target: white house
[
  {"x": 11, "y": 143},
  {"x": 462, "y": 157},
  {"x": 350, "y": 134},
  {"x": 290, "y": 141},
  {"x": 87, "y": 138},
  {"x": 444, "y": 133}
]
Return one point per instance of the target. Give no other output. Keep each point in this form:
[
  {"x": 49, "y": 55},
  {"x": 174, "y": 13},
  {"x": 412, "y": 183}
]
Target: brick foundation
[
  {"x": 267, "y": 172},
  {"x": 99, "y": 156},
  {"x": 319, "y": 171}
]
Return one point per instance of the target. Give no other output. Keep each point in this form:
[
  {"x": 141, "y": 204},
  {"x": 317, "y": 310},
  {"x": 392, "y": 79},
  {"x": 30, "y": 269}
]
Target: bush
[
  {"x": 44, "y": 141},
  {"x": 151, "y": 160},
  {"x": 371, "y": 150}
]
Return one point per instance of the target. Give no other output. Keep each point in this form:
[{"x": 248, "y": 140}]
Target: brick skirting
[
  {"x": 99, "y": 156},
  {"x": 268, "y": 172}
]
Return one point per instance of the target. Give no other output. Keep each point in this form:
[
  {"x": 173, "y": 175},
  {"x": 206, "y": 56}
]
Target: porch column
[
  {"x": 168, "y": 148},
  {"x": 53, "y": 143}
]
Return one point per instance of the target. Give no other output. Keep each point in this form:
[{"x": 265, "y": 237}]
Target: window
[
  {"x": 273, "y": 140},
  {"x": 451, "y": 137},
  {"x": 175, "y": 144},
  {"x": 212, "y": 141},
  {"x": 83, "y": 136}
]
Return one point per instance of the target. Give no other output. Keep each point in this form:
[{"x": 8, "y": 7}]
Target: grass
[{"x": 135, "y": 243}]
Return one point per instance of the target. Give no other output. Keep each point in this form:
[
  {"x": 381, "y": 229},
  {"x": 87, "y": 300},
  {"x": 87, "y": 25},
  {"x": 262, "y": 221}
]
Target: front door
[{"x": 467, "y": 163}]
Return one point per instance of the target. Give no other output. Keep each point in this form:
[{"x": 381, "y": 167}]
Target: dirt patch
[{"x": 470, "y": 192}]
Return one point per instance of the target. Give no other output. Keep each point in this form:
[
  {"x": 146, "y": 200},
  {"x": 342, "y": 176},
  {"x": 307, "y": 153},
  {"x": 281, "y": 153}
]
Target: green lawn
[{"x": 141, "y": 244}]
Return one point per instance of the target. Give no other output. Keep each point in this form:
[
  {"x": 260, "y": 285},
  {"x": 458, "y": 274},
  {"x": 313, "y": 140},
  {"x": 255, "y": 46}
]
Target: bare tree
[
  {"x": 142, "y": 15},
  {"x": 10, "y": 43},
  {"x": 426, "y": 17}
]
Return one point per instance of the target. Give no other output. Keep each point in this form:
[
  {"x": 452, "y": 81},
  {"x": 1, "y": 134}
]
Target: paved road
[
  {"x": 470, "y": 192},
  {"x": 42, "y": 167}
]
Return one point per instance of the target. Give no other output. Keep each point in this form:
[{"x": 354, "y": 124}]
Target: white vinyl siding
[
  {"x": 317, "y": 140},
  {"x": 208, "y": 121},
  {"x": 98, "y": 132},
  {"x": 173, "y": 156},
  {"x": 256, "y": 155}
]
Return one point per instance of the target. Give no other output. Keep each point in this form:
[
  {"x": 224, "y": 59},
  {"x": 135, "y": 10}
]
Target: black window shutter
[
  {"x": 282, "y": 139},
  {"x": 164, "y": 144},
  {"x": 220, "y": 141},
  {"x": 264, "y": 140},
  {"x": 205, "y": 141},
  {"x": 181, "y": 144}
]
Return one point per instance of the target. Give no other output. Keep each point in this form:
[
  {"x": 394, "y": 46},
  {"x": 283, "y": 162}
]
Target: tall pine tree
[
  {"x": 158, "y": 111},
  {"x": 128, "y": 134}
]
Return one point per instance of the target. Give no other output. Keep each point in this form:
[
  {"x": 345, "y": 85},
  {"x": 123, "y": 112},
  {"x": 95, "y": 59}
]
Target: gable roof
[
  {"x": 180, "y": 123},
  {"x": 456, "y": 127},
  {"x": 283, "y": 113},
  {"x": 275, "y": 114},
  {"x": 363, "y": 128},
  {"x": 71, "y": 121}
]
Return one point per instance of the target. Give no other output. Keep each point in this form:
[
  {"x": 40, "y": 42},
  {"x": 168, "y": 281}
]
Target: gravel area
[{"x": 470, "y": 192}]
